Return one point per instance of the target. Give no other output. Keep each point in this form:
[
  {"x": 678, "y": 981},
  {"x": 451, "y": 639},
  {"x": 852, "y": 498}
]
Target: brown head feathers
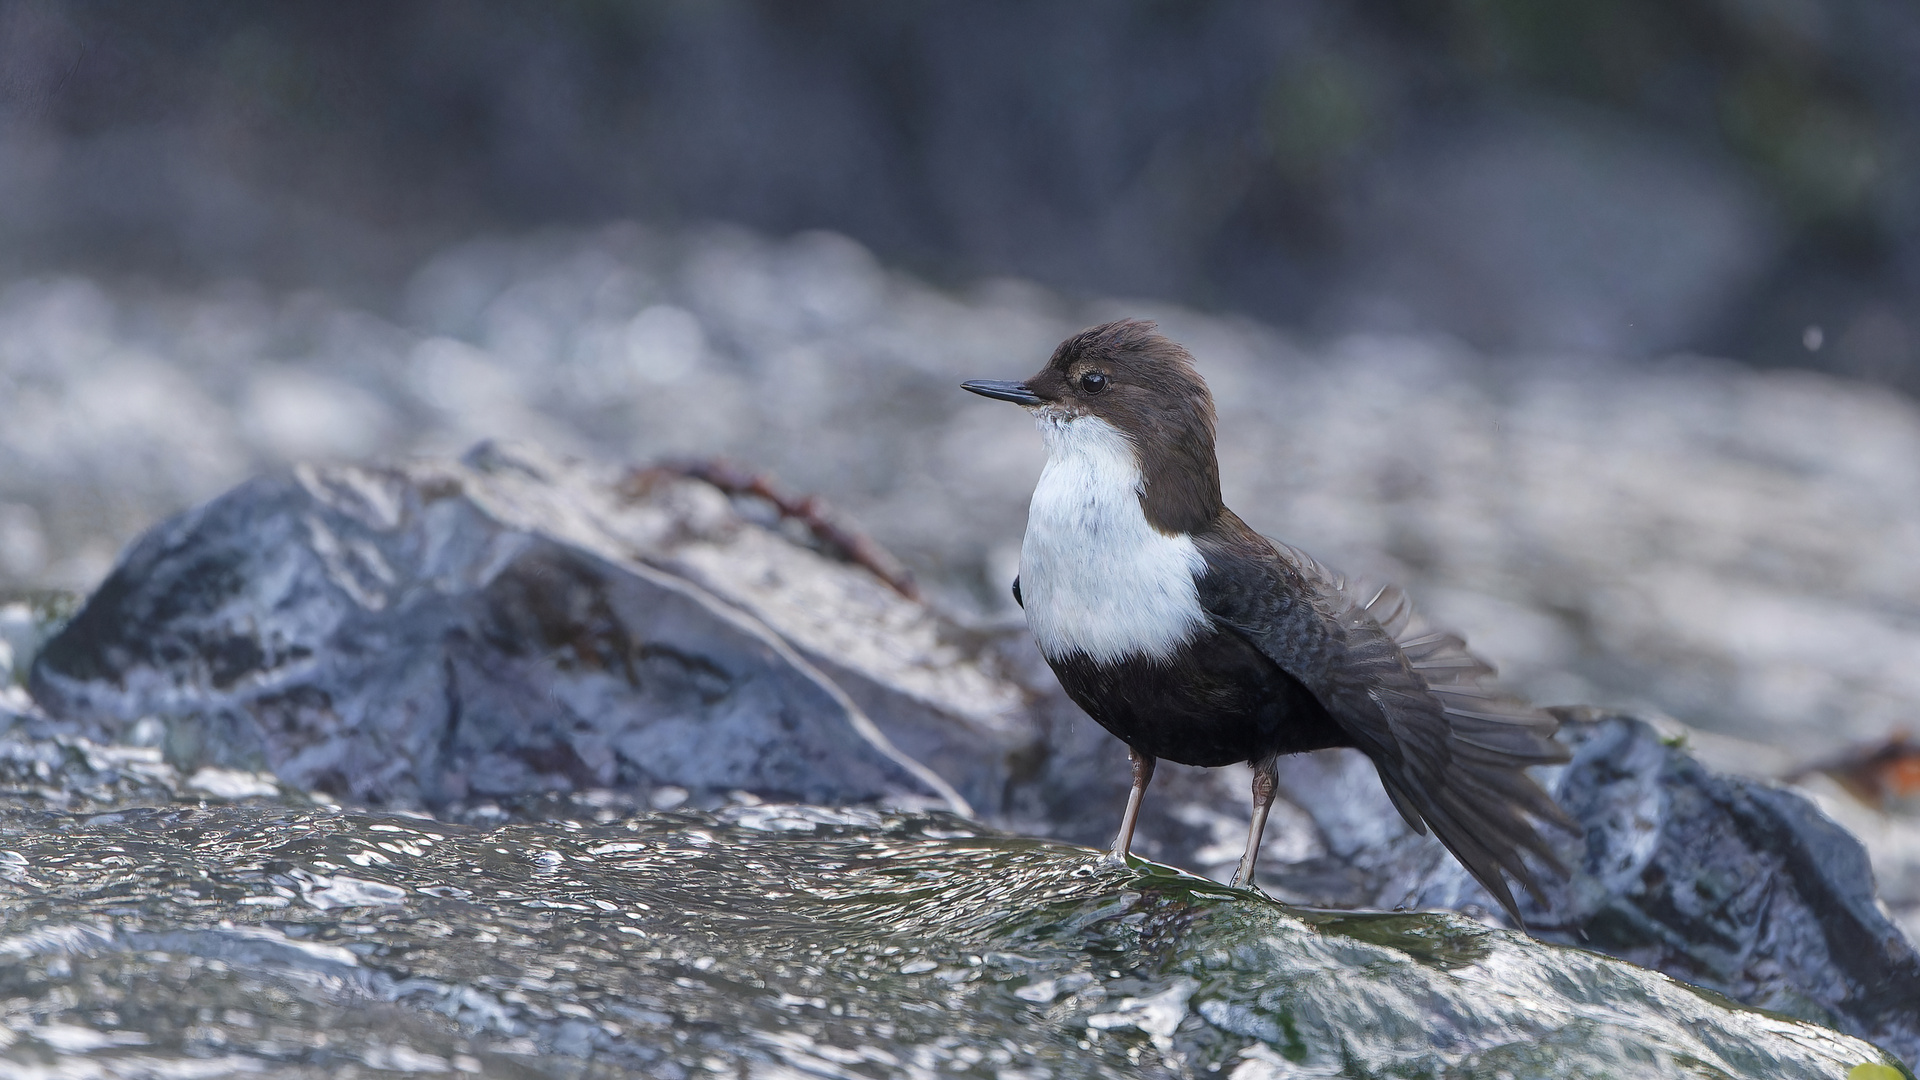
[{"x": 1144, "y": 384}]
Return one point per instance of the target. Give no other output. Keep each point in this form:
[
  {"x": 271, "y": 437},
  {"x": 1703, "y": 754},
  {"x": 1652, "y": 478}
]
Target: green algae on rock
[{"x": 778, "y": 941}]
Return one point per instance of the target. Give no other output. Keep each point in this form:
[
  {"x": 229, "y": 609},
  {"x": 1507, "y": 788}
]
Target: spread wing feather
[{"x": 1450, "y": 751}]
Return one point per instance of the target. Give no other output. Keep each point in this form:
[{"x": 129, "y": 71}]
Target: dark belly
[{"x": 1216, "y": 702}]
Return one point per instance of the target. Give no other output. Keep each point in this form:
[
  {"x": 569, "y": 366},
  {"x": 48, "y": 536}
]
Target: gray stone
[
  {"x": 413, "y": 638},
  {"x": 1730, "y": 883}
]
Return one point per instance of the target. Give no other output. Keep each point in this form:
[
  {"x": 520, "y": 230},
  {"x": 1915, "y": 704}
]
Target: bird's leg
[
  {"x": 1142, "y": 774},
  {"x": 1266, "y": 780}
]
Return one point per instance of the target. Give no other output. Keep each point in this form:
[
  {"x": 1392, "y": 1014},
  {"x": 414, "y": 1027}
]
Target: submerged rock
[
  {"x": 777, "y": 941},
  {"x": 464, "y": 636}
]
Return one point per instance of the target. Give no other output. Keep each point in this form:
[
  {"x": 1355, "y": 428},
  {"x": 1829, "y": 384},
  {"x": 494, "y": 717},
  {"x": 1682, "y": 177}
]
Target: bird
[{"x": 1193, "y": 638}]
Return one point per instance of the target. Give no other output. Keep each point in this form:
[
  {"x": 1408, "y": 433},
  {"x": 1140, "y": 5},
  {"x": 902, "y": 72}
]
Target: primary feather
[{"x": 1450, "y": 752}]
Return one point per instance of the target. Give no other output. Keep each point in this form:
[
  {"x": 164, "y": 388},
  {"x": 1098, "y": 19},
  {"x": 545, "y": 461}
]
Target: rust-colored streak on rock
[{"x": 831, "y": 530}]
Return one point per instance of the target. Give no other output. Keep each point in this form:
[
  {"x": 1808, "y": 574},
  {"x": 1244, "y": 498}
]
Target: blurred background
[
  {"x": 1593, "y": 321},
  {"x": 1626, "y": 176}
]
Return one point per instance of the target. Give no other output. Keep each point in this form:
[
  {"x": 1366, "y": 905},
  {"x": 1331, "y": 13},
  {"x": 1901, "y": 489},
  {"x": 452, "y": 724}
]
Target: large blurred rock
[
  {"x": 517, "y": 623},
  {"x": 422, "y": 637}
]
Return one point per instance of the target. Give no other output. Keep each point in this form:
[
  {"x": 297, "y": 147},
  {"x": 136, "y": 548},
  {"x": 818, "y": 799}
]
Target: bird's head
[{"x": 1128, "y": 377}]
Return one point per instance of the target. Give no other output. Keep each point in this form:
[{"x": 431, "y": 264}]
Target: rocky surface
[
  {"x": 775, "y": 941},
  {"x": 473, "y": 637},
  {"x": 1730, "y": 883},
  {"x": 386, "y": 639}
]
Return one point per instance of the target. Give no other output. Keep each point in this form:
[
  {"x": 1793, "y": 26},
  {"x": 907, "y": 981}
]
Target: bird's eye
[{"x": 1093, "y": 382}]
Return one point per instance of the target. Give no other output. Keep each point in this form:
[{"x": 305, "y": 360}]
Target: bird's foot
[
  {"x": 1246, "y": 883},
  {"x": 1106, "y": 862}
]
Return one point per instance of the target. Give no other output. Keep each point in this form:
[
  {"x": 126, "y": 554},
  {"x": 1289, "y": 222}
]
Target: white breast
[{"x": 1095, "y": 577}]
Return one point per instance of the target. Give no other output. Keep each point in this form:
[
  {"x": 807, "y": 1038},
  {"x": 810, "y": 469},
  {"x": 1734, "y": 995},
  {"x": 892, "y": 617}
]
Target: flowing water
[{"x": 771, "y": 941}]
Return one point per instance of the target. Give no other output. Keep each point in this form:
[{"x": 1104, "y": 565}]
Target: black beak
[{"x": 1015, "y": 392}]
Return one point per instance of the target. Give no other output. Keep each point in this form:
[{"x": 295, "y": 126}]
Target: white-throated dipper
[{"x": 1194, "y": 638}]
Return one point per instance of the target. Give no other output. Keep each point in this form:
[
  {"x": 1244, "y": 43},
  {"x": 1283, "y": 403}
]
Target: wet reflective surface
[{"x": 771, "y": 941}]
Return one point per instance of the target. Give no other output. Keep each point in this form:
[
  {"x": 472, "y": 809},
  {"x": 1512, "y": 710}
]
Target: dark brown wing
[{"x": 1451, "y": 753}]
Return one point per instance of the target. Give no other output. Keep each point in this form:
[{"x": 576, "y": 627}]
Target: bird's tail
[{"x": 1480, "y": 807}]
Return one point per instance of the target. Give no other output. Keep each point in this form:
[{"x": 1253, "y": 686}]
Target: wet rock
[
  {"x": 777, "y": 941},
  {"x": 437, "y": 635},
  {"x": 1730, "y": 883}
]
